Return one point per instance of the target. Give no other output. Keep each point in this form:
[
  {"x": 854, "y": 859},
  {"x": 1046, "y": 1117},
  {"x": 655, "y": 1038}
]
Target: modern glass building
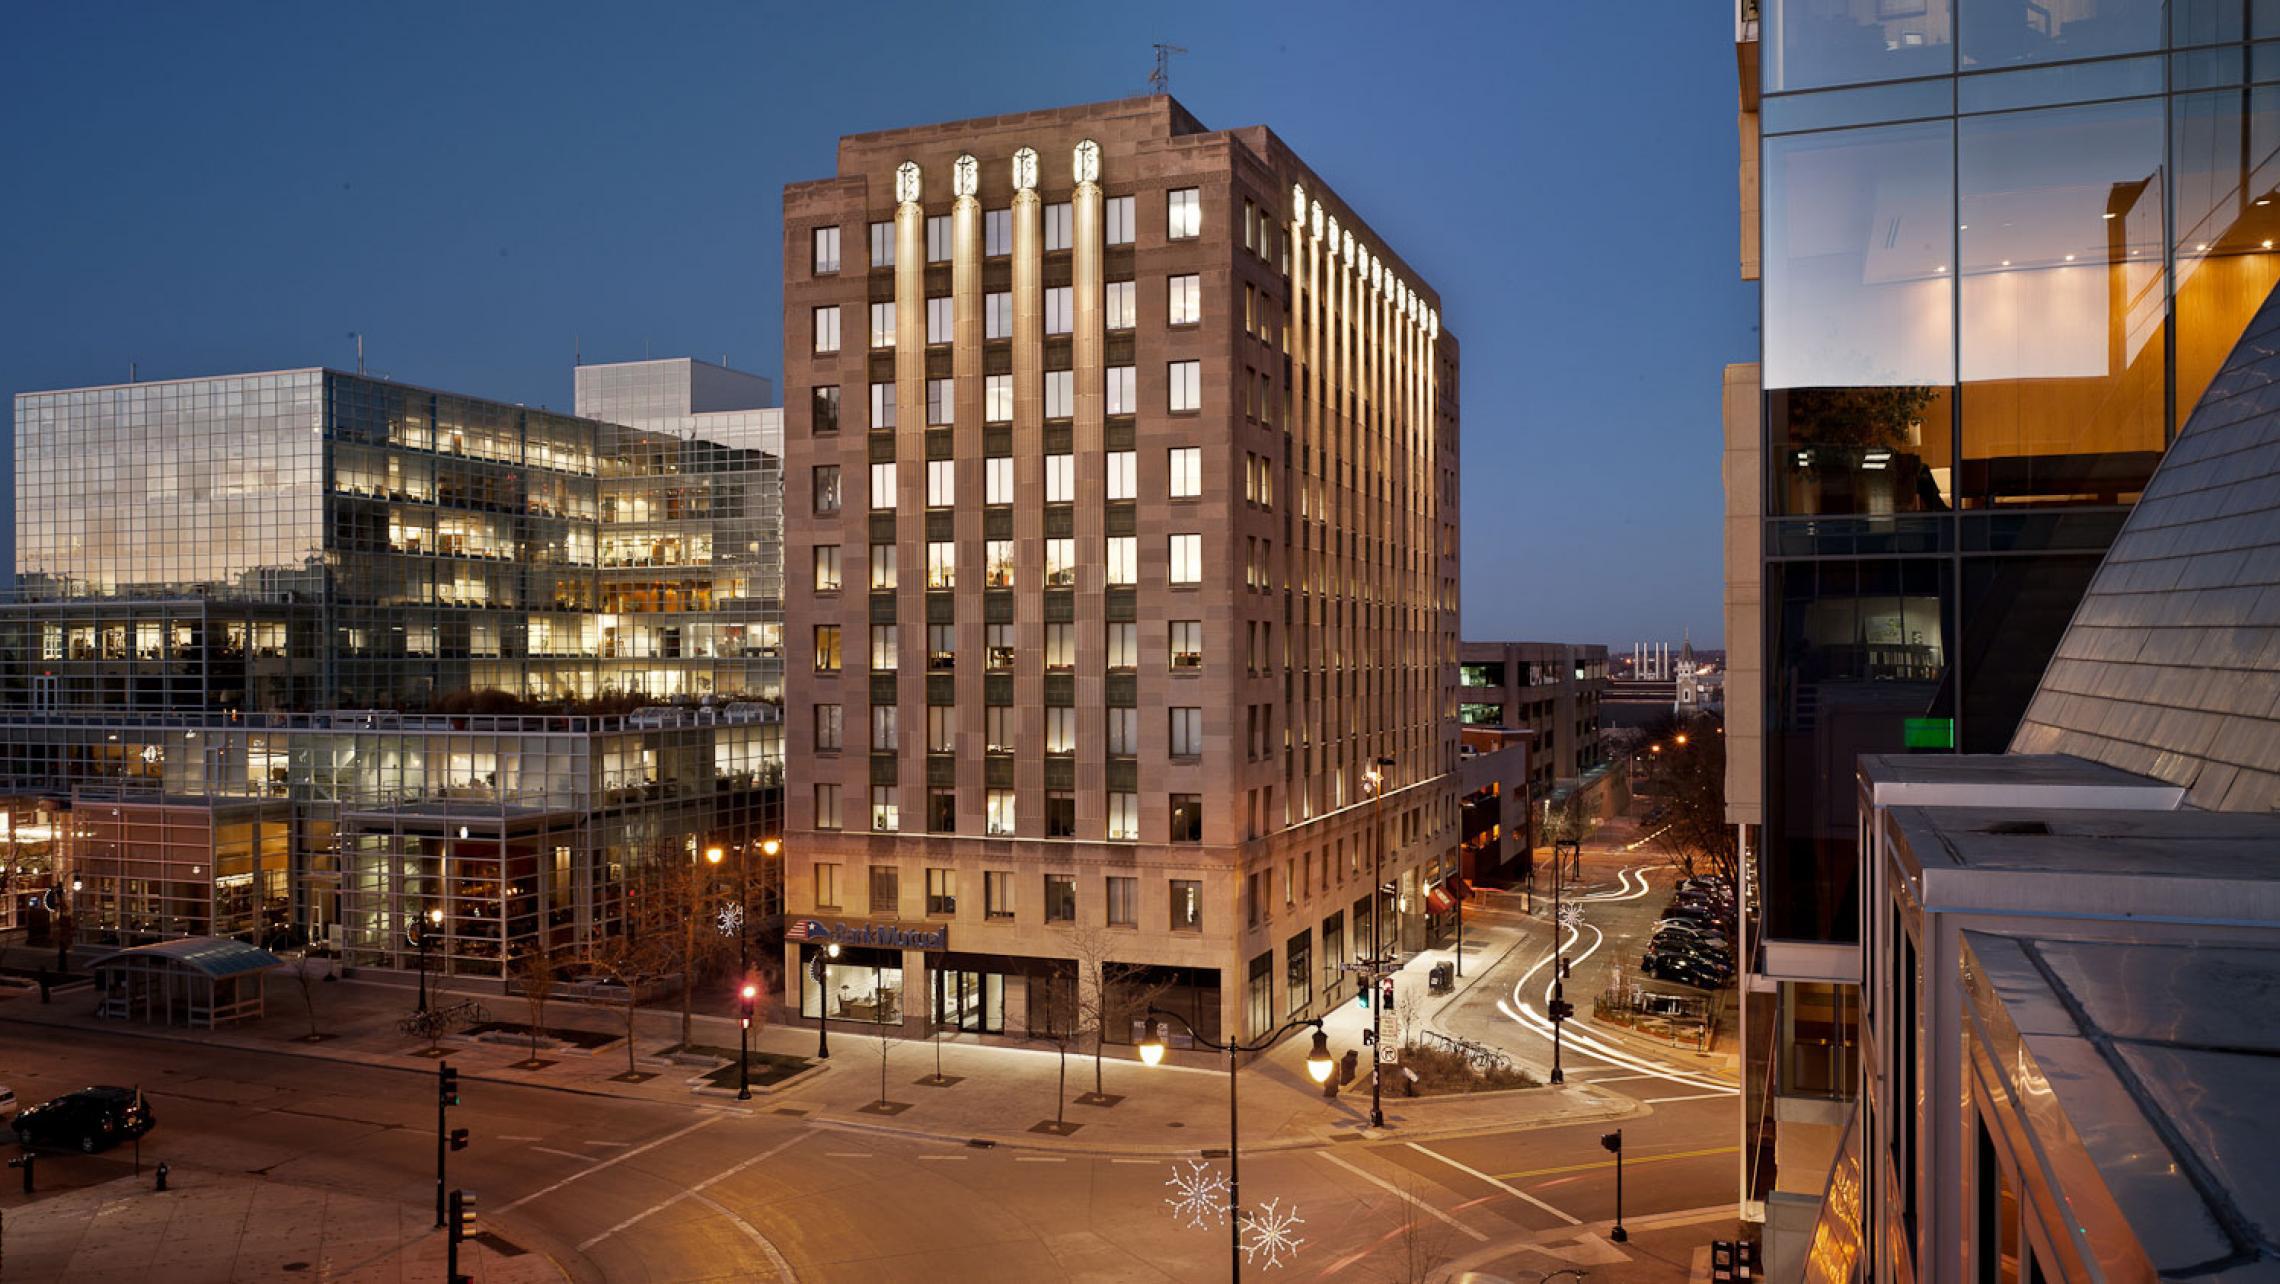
[
  {"x": 2004, "y": 247},
  {"x": 309, "y": 539},
  {"x": 314, "y": 654}
]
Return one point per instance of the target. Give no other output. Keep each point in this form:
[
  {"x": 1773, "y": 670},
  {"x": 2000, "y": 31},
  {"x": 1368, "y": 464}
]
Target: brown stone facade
[{"x": 1066, "y": 724}]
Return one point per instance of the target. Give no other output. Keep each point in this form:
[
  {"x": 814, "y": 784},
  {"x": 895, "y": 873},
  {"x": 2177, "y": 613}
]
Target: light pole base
[{"x": 1619, "y": 1235}]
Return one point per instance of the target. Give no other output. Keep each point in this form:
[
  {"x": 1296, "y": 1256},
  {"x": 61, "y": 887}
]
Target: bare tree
[
  {"x": 535, "y": 971},
  {"x": 681, "y": 884},
  {"x": 644, "y": 947},
  {"x": 1109, "y": 994},
  {"x": 884, "y": 1033},
  {"x": 308, "y": 993},
  {"x": 1690, "y": 778},
  {"x": 1419, "y": 1250}
]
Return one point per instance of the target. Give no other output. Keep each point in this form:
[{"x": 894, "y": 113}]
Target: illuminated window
[
  {"x": 1186, "y": 472},
  {"x": 997, "y": 400},
  {"x": 1184, "y": 390},
  {"x": 825, "y": 323},
  {"x": 882, "y": 405},
  {"x": 1120, "y": 305},
  {"x": 882, "y": 566},
  {"x": 1122, "y": 393},
  {"x": 882, "y": 487},
  {"x": 826, "y": 568},
  {"x": 1183, "y": 299},
  {"x": 1060, "y": 563},
  {"x": 1123, "y": 645},
  {"x": 1124, "y": 817},
  {"x": 1187, "y": 559},
  {"x": 941, "y": 565},
  {"x": 1118, "y": 210},
  {"x": 1060, "y": 309},
  {"x": 1001, "y": 812},
  {"x": 1183, "y": 213},
  {"x": 941, "y": 483},
  {"x": 1123, "y": 559},
  {"x": 997, "y": 478},
  {"x": 826, "y": 257},
  {"x": 1187, "y": 644},
  {"x": 1187, "y": 732},
  {"x": 1060, "y": 394},
  {"x": 1122, "y": 465},
  {"x": 1060, "y": 479},
  {"x": 883, "y": 324}
]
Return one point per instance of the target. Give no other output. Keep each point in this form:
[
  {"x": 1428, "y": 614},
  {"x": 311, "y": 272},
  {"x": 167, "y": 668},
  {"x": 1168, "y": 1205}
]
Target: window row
[
  {"x": 1119, "y": 396},
  {"x": 1184, "y": 480},
  {"x": 1183, "y": 220},
  {"x": 1183, "y": 306},
  {"x": 1058, "y": 901},
  {"x": 1184, "y": 735},
  {"x": 1122, "y": 823}
]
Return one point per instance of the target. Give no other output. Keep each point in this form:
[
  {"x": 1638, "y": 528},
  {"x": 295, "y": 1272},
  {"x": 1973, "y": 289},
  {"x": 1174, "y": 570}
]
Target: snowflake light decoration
[
  {"x": 730, "y": 920},
  {"x": 1272, "y": 1232},
  {"x": 1571, "y": 916},
  {"x": 1199, "y": 1194}
]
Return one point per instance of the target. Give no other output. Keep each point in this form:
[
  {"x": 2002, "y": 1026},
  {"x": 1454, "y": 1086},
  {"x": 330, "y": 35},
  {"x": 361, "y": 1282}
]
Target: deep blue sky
[{"x": 476, "y": 187}]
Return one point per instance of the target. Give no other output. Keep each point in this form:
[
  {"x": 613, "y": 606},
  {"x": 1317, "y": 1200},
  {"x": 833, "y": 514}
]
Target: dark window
[
  {"x": 2013, "y": 611},
  {"x": 1187, "y": 818},
  {"x": 1060, "y": 898},
  {"x": 1060, "y": 814},
  {"x": 942, "y": 811},
  {"x": 826, "y": 408}
]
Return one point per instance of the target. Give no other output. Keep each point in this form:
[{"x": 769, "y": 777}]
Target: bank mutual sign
[{"x": 893, "y": 936}]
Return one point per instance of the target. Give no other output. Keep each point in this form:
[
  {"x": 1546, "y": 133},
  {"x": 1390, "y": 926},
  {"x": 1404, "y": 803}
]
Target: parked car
[
  {"x": 1695, "y": 938},
  {"x": 1687, "y": 918},
  {"x": 91, "y": 1119},
  {"x": 1673, "y": 951},
  {"x": 1685, "y": 971}
]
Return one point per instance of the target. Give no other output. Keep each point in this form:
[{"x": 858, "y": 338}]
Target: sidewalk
[
  {"x": 211, "y": 1227},
  {"x": 1001, "y": 1095}
]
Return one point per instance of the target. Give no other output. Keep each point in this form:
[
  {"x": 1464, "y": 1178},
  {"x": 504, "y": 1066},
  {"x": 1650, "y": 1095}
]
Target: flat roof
[
  {"x": 2115, "y": 842},
  {"x": 216, "y": 956},
  {"x": 2164, "y": 1060},
  {"x": 1998, "y": 768}
]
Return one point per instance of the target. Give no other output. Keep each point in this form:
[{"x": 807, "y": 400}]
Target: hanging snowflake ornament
[
  {"x": 1571, "y": 916},
  {"x": 1199, "y": 1194},
  {"x": 730, "y": 920},
  {"x": 1271, "y": 1231}
]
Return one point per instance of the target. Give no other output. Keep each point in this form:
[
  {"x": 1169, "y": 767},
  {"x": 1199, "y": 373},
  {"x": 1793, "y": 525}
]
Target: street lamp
[
  {"x": 816, "y": 965},
  {"x": 751, "y": 999},
  {"x": 1318, "y": 1068},
  {"x": 422, "y": 931},
  {"x": 1374, "y": 778}
]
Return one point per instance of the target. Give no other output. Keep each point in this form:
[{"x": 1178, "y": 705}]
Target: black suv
[{"x": 91, "y": 1119}]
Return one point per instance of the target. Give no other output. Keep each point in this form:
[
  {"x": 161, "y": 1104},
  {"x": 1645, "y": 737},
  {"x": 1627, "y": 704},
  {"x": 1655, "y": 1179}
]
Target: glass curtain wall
[{"x": 2006, "y": 247}]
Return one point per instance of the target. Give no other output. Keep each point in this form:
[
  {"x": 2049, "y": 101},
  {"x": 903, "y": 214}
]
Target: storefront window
[
  {"x": 861, "y": 985},
  {"x": 973, "y": 1001},
  {"x": 1808, "y": 44},
  {"x": 1298, "y": 974},
  {"x": 1859, "y": 333},
  {"x": 1333, "y": 954},
  {"x": 1259, "y": 996},
  {"x": 2063, "y": 304}
]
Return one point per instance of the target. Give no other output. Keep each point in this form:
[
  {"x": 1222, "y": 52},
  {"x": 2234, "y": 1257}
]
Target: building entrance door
[{"x": 971, "y": 1001}]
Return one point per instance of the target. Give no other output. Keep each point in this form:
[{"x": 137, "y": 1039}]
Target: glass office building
[
  {"x": 2004, "y": 247},
  {"x": 312, "y": 654}
]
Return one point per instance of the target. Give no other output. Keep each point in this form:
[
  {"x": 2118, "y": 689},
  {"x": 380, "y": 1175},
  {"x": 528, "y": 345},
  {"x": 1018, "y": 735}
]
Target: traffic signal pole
[{"x": 446, "y": 1139}]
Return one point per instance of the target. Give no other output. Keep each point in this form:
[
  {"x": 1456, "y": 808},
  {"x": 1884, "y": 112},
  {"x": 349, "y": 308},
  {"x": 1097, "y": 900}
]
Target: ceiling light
[
  {"x": 1941, "y": 268},
  {"x": 2264, "y": 200},
  {"x": 2268, "y": 245},
  {"x": 2107, "y": 214},
  {"x": 2202, "y": 246},
  {"x": 2006, "y": 263},
  {"x": 2070, "y": 258}
]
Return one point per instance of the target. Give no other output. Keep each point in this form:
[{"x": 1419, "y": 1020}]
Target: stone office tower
[{"x": 1121, "y": 541}]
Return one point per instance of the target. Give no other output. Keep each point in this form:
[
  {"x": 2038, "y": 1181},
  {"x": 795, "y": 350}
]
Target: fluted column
[
  {"x": 1029, "y": 505},
  {"x": 1088, "y": 433},
  {"x": 910, "y": 497}
]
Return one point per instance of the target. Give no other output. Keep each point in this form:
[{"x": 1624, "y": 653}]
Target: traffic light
[
  {"x": 459, "y": 1139},
  {"x": 747, "y": 1002},
  {"x": 1612, "y": 1142},
  {"x": 446, "y": 1085},
  {"x": 1560, "y": 1009},
  {"x": 1385, "y": 992},
  {"x": 1732, "y": 1259},
  {"x": 462, "y": 1224},
  {"x": 1362, "y": 996}
]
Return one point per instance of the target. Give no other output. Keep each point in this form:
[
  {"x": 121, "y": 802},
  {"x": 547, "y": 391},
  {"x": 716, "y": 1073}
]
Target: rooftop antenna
[
  {"x": 134, "y": 372},
  {"x": 577, "y": 351},
  {"x": 1160, "y": 80},
  {"x": 358, "y": 335}
]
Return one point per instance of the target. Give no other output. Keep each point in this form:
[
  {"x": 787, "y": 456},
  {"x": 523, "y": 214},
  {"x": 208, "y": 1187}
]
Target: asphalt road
[{"x": 632, "y": 1191}]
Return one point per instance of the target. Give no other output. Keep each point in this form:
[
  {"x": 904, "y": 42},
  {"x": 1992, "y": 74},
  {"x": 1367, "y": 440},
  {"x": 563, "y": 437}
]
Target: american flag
[{"x": 798, "y": 928}]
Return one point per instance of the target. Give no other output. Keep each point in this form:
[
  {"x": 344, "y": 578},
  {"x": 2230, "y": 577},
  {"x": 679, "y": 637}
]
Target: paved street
[{"x": 635, "y": 1190}]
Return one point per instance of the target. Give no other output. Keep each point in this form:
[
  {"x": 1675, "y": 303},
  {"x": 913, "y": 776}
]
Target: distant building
[
  {"x": 1107, "y": 598},
  {"x": 1553, "y": 691}
]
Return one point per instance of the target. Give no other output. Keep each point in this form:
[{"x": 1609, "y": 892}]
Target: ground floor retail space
[{"x": 1017, "y": 996}]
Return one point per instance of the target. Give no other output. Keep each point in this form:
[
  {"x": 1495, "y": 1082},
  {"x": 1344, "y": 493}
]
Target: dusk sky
[{"x": 483, "y": 189}]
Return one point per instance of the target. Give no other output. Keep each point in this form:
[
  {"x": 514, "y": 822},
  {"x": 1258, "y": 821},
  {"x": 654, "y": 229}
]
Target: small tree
[
  {"x": 1108, "y": 992},
  {"x": 644, "y": 947},
  {"x": 308, "y": 986},
  {"x": 535, "y": 970},
  {"x": 680, "y": 884},
  {"x": 884, "y": 1034},
  {"x": 1420, "y": 1247}
]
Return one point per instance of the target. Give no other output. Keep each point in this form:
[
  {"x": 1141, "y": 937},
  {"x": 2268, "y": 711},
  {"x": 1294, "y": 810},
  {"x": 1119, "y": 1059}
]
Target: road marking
[
  {"x": 936, "y": 1159},
  {"x": 1628, "y": 1161},
  {"x": 1683, "y": 1217},
  {"x": 615, "y": 1145},
  {"x": 723, "y": 1175},
  {"x": 511, "y": 1137},
  {"x": 1399, "y": 1193},
  {"x": 566, "y": 1154},
  {"x": 1618, "y": 1078},
  {"x": 1135, "y": 1161},
  {"x": 775, "y": 1259},
  {"x": 706, "y": 1122},
  {"x": 1699, "y": 1096},
  {"x": 1040, "y": 1159},
  {"x": 848, "y": 1154},
  {"x": 1511, "y": 1190}
]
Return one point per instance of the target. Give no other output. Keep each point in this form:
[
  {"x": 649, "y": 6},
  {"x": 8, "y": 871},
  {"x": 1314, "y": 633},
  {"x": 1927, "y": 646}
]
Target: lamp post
[
  {"x": 1375, "y": 779},
  {"x": 749, "y": 999},
  {"x": 830, "y": 950},
  {"x": 424, "y": 930},
  {"x": 1318, "y": 1068}
]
